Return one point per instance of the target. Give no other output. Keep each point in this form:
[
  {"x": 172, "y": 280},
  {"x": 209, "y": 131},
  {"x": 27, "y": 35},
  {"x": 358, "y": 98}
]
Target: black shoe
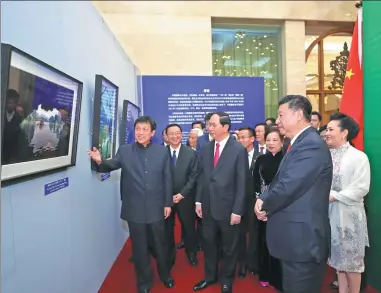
[
  {"x": 144, "y": 291},
  {"x": 253, "y": 271},
  {"x": 334, "y": 285},
  {"x": 200, "y": 247},
  {"x": 226, "y": 289},
  {"x": 192, "y": 259},
  {"x": 242, "y": 270},
  {"x": 169, "y": 282},
  {"x": 203, "y": 284},
  {"x": 181, "y": 244}
]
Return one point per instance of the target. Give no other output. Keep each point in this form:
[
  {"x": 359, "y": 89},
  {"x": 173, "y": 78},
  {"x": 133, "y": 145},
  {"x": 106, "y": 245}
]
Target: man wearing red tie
[{"x": 220, "y": 200}]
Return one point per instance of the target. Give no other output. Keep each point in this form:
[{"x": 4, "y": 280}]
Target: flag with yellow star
[{"x": 352, "y": 99}]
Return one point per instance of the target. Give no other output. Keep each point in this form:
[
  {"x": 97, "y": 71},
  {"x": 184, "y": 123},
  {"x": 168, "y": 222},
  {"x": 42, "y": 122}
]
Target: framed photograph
[
  {"x": 105, "y": 116},
  {"x": 40, "y": 111},
  {"x": 130, "y": 113}
]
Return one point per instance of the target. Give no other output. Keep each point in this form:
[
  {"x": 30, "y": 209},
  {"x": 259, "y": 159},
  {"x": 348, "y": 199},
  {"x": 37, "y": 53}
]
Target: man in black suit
[
  {"x": 220, "y": 200},
  {"x": 248, "y": 250},
  {"x": 184, "y": 177},
  {"x": 146, "y": 198},
  {"x": 295, "y": 204}
]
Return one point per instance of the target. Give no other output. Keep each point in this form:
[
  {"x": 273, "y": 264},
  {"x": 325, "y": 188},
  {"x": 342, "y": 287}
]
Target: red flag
[{"x": 352, "y": 99}]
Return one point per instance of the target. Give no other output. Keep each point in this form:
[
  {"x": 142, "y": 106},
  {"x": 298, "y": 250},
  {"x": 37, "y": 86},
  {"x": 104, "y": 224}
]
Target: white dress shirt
[
  {"x": 222, "y": 144},
  {"x": 264, "y": 148},
  {"x": 177, "y": 151},
  {"x": 250, "y": 156}
]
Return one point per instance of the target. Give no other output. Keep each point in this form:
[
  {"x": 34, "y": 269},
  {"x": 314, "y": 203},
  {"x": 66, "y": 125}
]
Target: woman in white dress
[{"x": 350, "y": 184}]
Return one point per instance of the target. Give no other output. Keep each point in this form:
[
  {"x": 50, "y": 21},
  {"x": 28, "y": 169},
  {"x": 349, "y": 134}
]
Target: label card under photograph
[{"x": 56, "y": 185}]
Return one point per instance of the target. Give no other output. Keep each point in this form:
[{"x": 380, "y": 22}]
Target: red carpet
[{"x": 121, "y": 278}]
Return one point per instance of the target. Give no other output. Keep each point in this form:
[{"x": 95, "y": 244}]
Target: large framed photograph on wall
[
  {"x": 130, "y": 113},
  {"x": 40, "y": 111},
  {"x": 105, "y": 117}
]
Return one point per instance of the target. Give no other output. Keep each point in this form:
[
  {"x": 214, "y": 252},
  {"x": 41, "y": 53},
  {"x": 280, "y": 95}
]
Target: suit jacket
[
  {"x": 221, "y": 190},
  {"x": 146, "y": 186},
  {"x": 184, "y": 174},
  {"x": 250, "y": 193},
  {"x": 202, "y": 141},
  {"x": 297, "y": 201}
]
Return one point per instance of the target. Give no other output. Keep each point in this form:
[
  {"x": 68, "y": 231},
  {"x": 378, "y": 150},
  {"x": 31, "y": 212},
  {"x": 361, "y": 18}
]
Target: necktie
[
  {"x": 216, "y": 155},
  {"x": 288, "y": 148},
  {"x": 174, "y": 159},
  {"x": 261, "y": 149}
]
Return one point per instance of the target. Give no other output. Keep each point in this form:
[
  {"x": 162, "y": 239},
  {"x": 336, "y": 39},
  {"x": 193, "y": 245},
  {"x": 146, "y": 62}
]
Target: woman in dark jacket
[{"x": 264, "y": 172}]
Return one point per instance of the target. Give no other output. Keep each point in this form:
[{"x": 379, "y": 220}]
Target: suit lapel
[
  {"x": 180, "y": 156},
  {"x": 298, "y": 139}
]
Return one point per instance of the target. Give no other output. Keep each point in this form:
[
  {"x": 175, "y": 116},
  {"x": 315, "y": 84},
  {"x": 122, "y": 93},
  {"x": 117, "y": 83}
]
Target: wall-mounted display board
[
  {"x": 105, "y": 117},
  {"x": 40, "y": 108}
]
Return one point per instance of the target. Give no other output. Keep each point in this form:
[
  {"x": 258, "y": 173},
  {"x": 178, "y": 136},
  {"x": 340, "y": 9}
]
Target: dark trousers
[
  {"x": 139, "y": 234},
  {"x": 302, "y": 277},
  {"x": 229, "y": 235},
  {"x": 200, "y": 237},
  {"x": 248, "y": 248},
  {"x": 187, "y": 216}
]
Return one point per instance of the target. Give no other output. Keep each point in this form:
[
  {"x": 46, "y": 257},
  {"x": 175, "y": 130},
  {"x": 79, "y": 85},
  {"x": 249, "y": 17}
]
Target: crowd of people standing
[{"x": 279, "y": 200}]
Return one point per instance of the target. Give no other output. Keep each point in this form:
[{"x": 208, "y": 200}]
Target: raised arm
[{"x": 105, "y": 165}]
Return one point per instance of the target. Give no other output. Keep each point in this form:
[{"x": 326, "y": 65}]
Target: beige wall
[{"x": 174, "y": 38}]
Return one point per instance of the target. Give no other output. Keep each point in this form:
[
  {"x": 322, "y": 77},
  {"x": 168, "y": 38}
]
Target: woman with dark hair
[
  {"x": 264, "y": 172},
  {"x": 350, "y": 184}
]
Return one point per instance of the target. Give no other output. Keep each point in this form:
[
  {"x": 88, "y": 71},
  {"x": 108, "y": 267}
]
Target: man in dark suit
[
  {"x": 184, "y": 177},
  {"x": 295, "y": 204},
  {"x": 248, "y": 250},
  {"x": 146, "y": 198},
  {"x": 220, "y": 200},
  {"x": 206, "y": 138}
]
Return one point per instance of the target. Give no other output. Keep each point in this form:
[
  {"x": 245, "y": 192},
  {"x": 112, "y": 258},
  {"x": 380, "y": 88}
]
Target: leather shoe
[
  {"x": 334, "y": 285},
  {"x": 203, "y": 284},
  {"x": 144, "y": 291},
  {"x": 181, "y": 244},
  {"x": 253, "y": 271},
  {"x": 226, "y": 289},
  {"x": 169, "y": 282},
  {"x": 242, "y": 270},
  {"x": 192, "y": 259}
]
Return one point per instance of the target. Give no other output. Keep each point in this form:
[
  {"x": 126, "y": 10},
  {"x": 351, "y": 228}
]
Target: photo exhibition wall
[{"x": 62, "y": 224}]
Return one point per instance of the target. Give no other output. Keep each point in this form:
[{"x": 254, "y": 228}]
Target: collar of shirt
[
  {"x": 251, "y": 153},
  {"x": 299, "y": 133},
  {"x": 142, "y": 146},
  {"x": 222, "y": 144},
  {"x": 10, "y": 115},
  {"x": 210, "y": 138},
  {"x": 177, "y": 150}
]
